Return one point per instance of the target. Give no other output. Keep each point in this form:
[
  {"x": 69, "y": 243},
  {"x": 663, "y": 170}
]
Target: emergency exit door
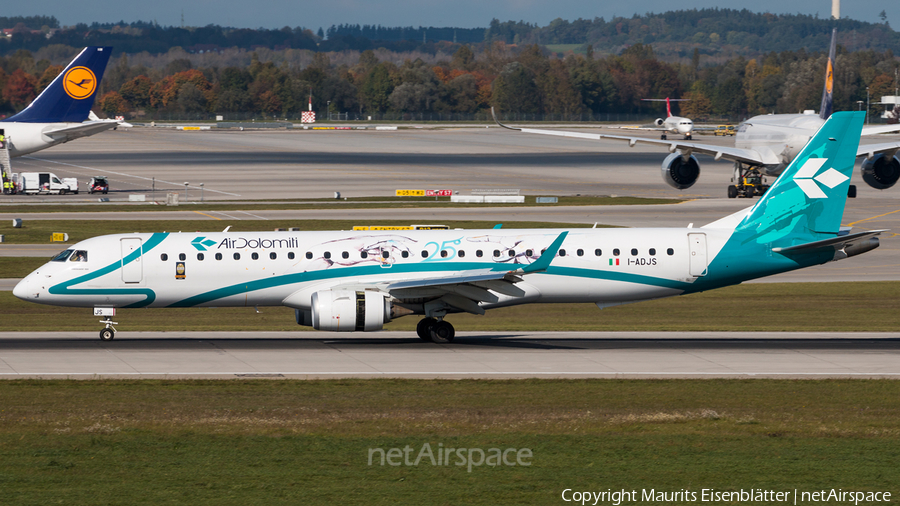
[
  {"x": 132, "y": 264},
  {"x": 697, "y": 246}
]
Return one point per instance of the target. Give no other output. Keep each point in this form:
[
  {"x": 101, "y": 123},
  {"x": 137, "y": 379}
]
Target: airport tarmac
[{"x": 506, "y": 355}]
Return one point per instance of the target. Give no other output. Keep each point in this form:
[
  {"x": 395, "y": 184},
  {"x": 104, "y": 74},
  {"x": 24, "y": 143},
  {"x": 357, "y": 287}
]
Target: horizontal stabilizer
[{"x": 837, "y": 243}]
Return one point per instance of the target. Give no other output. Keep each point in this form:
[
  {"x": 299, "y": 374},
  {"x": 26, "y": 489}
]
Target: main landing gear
[
  {"x": 434, "y": 330},
  {"x": 108, "y": 333}
]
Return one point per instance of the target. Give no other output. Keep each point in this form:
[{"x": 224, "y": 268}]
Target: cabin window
[
  {"x": 562, "y": 252},
  {"x": 162, "y": 257},
  {"x": 290, "y": 255},
  {"x": 634, "y": 252},
  {"x": 670, "y": 252},
  {"x": 254, "y": 256},
  {"x": 309, "y": 255},
  {"x": 273, "y": 255},
  {"x": 652, "y": 251},
  {"x": 598, "y": 252},
  {"x": 78, "y": 256},
  {"x": 580, "y": 252},
  {"x": 512, "y": 253},
  {"x": 616, "y": 252},
  {"x": 385, "y": 254},
  {"x": 529, "y": 252},
  {"x": 444, "y": 253},
  {"x": 345, "y": 255},
  {"x": 461, "y": 254},
  {"x": 327, "y": 254},
  {"x": 218, "y": 256},
  {"x": 237, "y": 256},
  {"x": 479, "y": 253},
  {"x": 496, "y": 252},
  {"x": 363, "y": 254},
  {"x": 200, "y": 256},
  {"x": 404, "y": 254},
  {"x": 182, "y": 256}
]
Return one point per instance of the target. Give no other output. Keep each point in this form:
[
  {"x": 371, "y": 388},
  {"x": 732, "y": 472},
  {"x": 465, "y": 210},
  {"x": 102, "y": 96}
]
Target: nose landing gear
[{"x": 108, "y": 333}]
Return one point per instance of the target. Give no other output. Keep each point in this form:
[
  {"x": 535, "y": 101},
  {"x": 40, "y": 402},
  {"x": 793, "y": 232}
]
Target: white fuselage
[
  {"x": 679, "y": 125},
  {"x": 778, "y": 138},
  {"x": 25, "y": 138},
  {"x": 604, "y": 266}
]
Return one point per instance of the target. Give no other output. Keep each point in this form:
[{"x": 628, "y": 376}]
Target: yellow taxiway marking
[
  {"x": 872, "y": 218},
  {"x": 208, "y": 215}
]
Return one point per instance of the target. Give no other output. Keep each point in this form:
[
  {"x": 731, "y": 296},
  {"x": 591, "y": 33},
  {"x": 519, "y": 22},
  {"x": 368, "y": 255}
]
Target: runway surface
[{"x": 316, "y": 355}]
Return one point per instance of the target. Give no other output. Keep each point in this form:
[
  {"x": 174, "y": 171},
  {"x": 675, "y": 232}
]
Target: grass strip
[
  {"x": 350, "y": 203},
  {"x": 775, "y": 307},
  {"x": 308, "y": 442}
]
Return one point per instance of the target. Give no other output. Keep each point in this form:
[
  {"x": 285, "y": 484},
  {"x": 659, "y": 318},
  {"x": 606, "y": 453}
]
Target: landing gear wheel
[
  {"x": 423, "y": 329},
  {"x": 442, "y": 332},
  {"x": 662, "y": 137},
  {"x": 732, "y": 192},
  {"x": 107, "y": 334}
]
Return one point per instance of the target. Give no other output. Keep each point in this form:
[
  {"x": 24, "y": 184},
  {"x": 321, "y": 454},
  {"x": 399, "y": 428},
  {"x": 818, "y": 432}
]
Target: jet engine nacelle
[
  {"x": 880, "y": 172},
  {"x": 349, "y": 310},
  {"x": 660, "y": 122},
  {"x": 680, "y": 173}
]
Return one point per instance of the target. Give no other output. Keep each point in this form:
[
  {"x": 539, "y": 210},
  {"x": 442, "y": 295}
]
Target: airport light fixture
[
  {"x": 201, "y": 192},
  {"x": 185, "y": 190}
]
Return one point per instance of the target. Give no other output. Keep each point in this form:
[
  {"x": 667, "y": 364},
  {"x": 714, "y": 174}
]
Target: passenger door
[
  {"x": 132, "y": 268},
  {"x": 697, "y": 246}
]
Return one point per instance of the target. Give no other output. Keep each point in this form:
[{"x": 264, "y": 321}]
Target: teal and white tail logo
[
  {"x": 806, "y": 203},
  {"x": 811, "y": 181}
]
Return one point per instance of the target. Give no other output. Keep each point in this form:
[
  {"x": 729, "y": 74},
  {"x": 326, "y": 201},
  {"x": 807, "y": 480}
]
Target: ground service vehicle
[
  {"x": 724, "y": 130},
  {"x": 33, "y": 183},
  {"x": 98, "y": 184}
]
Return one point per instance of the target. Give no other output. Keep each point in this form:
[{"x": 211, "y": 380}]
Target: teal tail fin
[{"x": 806, "y": 203}]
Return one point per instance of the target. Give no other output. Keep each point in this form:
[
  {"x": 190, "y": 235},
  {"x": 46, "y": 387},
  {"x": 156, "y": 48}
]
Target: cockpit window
[
  {"x": 62, "y": 256},
  {"x": 79, "y": 256}
]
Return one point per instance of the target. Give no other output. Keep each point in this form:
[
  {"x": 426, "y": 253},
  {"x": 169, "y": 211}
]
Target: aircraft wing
[
  {"x": 718, "y": 152},
  {"x": 870, "y": 150},
  {"x": 77, "y": 130},
  {"x": 464, "y": 290},
  {"x": 880, "y": 129}
]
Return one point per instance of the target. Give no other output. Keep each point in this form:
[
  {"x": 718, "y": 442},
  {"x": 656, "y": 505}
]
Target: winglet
[
  {"x": 501, "y": 124},
  {"x": 499, "y": 225},
  {"x": 542, "y": 263}
]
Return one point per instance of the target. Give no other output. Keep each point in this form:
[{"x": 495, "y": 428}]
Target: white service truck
[{"x": 34, "y": 183}]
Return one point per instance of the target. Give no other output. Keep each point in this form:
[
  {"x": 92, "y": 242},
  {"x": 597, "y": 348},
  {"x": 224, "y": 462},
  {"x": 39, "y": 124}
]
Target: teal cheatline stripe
[
  {"x": 63, "y": 288},
  {"x": 326, "y": 274}
]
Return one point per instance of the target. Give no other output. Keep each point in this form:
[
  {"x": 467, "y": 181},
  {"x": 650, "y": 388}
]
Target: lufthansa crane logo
[
  {"x": 79, "y": 82},
  {"x": 811, "y": 184}
]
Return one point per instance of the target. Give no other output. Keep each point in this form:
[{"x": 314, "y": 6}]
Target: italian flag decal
[{"x": 613, "y": 261}]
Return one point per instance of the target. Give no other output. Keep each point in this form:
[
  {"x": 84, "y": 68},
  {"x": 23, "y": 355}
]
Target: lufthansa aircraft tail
[
  {"x": 69, "y": 98},
  {"x": 827, "y": 96}
]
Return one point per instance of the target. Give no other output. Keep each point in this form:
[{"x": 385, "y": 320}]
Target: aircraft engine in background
[
  {"x": 659, "y": 122},
  {"x": 680, "y": 173},
  {"x": 880, "y": 171}
]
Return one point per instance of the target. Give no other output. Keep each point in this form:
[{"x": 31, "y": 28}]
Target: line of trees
[
  {"x": 721, "y": 34},
  {"x": 515, "y": 79}
]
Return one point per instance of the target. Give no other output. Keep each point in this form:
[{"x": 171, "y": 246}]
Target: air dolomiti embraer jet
[{"x": 360, "y": 280}]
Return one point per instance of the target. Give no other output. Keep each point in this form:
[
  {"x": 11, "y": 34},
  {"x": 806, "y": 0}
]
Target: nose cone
[
  {"x": 21, "y": 289},
  {"x": 685, "y": 128}
]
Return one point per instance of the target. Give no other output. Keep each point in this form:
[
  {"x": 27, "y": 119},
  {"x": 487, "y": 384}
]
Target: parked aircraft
[
  {"x": 360, "y": 280},
  {"x": 764, "y": 145},
  {"x": 61, "y": 112}
]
